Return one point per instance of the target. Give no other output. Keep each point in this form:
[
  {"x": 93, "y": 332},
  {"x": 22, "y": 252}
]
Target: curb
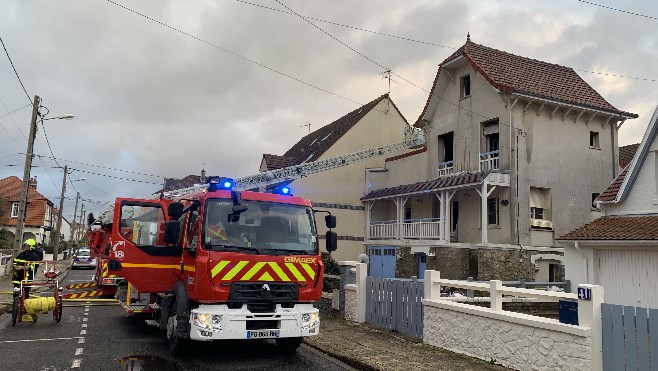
[{"x": 353, "y": 362}]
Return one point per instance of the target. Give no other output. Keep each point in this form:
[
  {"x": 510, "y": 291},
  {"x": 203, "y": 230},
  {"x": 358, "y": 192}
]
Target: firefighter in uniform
[{"x": 23, "y": 269}]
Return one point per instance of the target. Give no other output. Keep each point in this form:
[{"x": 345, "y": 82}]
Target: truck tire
[
  {"x": 177, "y": 345},
  {"x": 288, "y": 345}
]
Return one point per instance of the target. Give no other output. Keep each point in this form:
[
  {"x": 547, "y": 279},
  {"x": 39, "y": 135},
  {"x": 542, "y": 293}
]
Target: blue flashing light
[
  {"x": 215, "y": 183},
  {"x": 285, "y": 191}
]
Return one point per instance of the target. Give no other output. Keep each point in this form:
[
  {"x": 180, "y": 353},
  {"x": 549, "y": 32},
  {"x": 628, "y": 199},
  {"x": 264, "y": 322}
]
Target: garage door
[{"x": 629, "y": 277}]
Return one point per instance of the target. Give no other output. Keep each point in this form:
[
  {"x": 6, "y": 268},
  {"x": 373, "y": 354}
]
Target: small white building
[{"x": 620, "y": 250}]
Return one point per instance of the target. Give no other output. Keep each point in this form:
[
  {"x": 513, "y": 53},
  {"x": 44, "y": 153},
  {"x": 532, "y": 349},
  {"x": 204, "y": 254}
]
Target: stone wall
[
  {"x": 510, "y": 344},
  {"x": 459, "y": 263},
  {"x": 351, "y": 303}
]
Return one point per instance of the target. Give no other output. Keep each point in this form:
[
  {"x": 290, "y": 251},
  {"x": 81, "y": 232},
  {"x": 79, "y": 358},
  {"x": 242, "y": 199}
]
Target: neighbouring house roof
[
  {"x": 616, "y": 228},
  {"x": 610, "y": 193},
  {"x": 313, "y": 145},
  {"x": 408, "y": 154},
  {"x": 626, "y": 154},
  {"x": 10, "y": 191},
  {"x": 274, "y": 162},
  {"x": 521, "y": 75},
  {"x": 186, "y": 182},
  {"x": 456, "y": 180},
  {"x": 637, "y": 162}
]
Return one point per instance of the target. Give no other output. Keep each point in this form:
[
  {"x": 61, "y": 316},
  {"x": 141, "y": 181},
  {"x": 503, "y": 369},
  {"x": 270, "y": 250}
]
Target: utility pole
[
  {"x": 59, "y": 216},
  {"x": 82, "y": 229},
  {"x": 22, "y": 206},
  {"x": 75, "y": 214}
]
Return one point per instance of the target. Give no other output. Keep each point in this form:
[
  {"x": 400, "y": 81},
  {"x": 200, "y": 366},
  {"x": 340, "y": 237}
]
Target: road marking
[
  {"x": 76, "y": 363},
  {"x": 85, "y": 319},
  {"x": 81, "y": 341},
  {"x": 84, "y": 325},
  {"x": 32, "y": 340},
  {"x": 87, "y": 308},
  {"x": 83, "y": 332},
  {"x": 78, "y": 351}
]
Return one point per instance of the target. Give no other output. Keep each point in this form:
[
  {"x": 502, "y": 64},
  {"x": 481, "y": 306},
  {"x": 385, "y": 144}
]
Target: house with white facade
[
  {"x": 517, "y": 151},
  {"x": 619, "y": 250},
  {"x": 339, "y": 190}
]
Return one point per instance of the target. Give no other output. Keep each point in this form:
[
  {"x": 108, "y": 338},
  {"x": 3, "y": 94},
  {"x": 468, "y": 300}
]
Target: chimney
[{"x": 33, "y": 183}]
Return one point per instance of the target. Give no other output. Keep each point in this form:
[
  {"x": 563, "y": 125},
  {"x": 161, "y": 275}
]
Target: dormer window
[
  {"x": 14, "y": 209},
  {"x": 465, "y": 86}
]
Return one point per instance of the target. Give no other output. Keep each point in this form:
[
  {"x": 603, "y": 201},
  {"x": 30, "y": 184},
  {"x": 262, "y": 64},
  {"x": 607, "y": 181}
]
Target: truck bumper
[{"x": 218, "y": 322}]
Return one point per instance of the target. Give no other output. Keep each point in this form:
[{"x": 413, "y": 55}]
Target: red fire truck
[{"x": 217, "y": 261}]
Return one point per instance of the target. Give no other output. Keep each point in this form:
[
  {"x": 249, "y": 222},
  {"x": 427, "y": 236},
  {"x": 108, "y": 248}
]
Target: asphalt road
[{"x": 101, "y": 337}]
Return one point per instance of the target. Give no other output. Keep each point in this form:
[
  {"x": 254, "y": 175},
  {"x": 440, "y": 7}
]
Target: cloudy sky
[{"x": 160, "y": 88}]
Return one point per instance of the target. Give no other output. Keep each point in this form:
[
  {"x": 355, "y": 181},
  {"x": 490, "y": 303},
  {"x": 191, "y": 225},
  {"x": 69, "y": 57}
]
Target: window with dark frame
[
  {"x": 466, "y": 86},
  {"x": 492, "y": 211},
  {"x": 537, "y": 213},
  {"x": 407, "y": 214},
  {"x": 594, "y": 140},
  {"x": 594, "y": 197}
]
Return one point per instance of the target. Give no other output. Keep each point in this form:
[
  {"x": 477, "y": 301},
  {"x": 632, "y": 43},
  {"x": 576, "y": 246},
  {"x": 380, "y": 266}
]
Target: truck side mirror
[
  {"x": 175, "y": 210},
  {"x": 332, "y": 241},
  {"x": 330, "y": 221},
  {"x": 172, "y": 229}
]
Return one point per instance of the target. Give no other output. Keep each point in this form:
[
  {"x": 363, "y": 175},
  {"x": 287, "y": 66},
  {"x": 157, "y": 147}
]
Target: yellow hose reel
[{"x": 43, "y": 305}]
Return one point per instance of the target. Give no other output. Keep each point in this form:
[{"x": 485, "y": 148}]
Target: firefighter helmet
[{"x": 30, "y": 242}]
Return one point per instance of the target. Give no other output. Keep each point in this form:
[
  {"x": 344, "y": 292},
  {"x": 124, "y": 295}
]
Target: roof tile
[
  {"x": 617, "y": 228},
  {"x": 10, "y": 191},
  {"x": 428, "y": 186}
]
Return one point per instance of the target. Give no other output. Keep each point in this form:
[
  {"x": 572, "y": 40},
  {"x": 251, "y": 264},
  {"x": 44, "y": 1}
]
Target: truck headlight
[
  {"x": 216, "y": 321},
  {"x": 306, "y": 317},
  {"x": 202, "y": 319}
]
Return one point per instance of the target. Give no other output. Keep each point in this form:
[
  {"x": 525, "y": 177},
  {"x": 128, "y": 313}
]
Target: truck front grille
[{"x": 260, "y": 292}]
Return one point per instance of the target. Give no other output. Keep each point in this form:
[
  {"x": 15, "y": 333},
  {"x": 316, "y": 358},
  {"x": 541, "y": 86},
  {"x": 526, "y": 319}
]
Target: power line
[
  {"x": 116, "y": 177},
  {"x": 351, "y": 27},
  {"x": 16, "y": 110},
  {"x": 617, "y": 10},
  {"x": 16, "y": 72},
  {"x": 429, "y": 43},
  {"x": 234, "y": 53},
  {"x": 104, "y": 167}
]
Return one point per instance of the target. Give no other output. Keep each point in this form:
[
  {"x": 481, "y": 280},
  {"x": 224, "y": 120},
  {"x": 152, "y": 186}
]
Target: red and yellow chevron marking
[
  {"x": 245, "y": 270},
  {"x": 105, "y": 273},
  {"x": 82, "y": 295},
  {"x": 84, "y": 285}
]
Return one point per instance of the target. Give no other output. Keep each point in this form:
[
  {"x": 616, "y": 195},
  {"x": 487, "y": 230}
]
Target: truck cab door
[{"x": 138, "y": 251}]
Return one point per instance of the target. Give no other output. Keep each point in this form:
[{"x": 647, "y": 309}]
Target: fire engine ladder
[{"x": 413, "y": 138}]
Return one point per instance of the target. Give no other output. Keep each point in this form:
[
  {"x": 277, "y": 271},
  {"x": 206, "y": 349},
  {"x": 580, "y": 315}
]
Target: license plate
[{"x": 262, "y": 334}]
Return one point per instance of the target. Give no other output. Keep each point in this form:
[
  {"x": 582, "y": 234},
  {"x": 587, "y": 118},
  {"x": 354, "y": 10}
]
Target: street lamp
[
  {"x": 20, "y": 222},
  {"x": 61, "y": 207}
]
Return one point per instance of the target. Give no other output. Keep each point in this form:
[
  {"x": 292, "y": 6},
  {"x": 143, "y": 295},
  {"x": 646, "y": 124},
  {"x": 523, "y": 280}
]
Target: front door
[
  {"x": 382, "y": 261},
  {"x": 422, "y": 265}
]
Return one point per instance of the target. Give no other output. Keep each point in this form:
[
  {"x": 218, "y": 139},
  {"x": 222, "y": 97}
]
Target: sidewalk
[
  {"x": 6, "y": 286},
  {"x": 369, "y": 348}
]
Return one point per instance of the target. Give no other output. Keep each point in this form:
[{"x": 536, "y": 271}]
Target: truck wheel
[
  {"x": 288, "y": 345},
  {"x": 177, "y": 345}
]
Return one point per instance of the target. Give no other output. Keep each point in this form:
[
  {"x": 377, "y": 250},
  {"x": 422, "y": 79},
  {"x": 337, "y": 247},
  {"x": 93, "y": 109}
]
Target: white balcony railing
[
  {"x": 411, "y": 229},
  {"x": 489, "y": 160},
  {"x": 446, "y": 168}
]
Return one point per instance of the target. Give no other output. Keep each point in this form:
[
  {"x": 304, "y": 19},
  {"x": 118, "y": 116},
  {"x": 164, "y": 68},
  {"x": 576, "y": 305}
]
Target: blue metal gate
[
  {"x": 630, "y": 338},
  {"x": 422, "y": 266},
  {"x": 395, "y": 304},
  {"x": 382, "y": 261}
]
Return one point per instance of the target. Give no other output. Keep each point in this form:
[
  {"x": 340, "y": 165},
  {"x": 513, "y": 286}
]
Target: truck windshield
[{"x": 264, "y": 228}]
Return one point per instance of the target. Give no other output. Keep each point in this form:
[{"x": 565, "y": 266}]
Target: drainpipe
[{"x": 586, "y": 261}]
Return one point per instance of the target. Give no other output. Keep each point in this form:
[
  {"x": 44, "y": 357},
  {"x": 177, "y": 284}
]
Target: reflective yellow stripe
[
  {"x": 253, "y": 271},
  {"x": 218, "y": 268},
  {"x": 234, "y": 271},
  {"x": 266, "y": 277},
  {"x": 294, "y": 271},
  {"x": 190, "y": 268},
  {"x": 279, "y": 271},
  {"x": 309, "y": 270},
  {"x": 159, "y": 266}
]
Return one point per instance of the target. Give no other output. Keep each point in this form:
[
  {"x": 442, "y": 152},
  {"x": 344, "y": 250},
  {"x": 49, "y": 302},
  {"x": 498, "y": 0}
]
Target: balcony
[
  {"x": 421, "y": 229},
  {"x": 489, "y": 161},
  {"x": 446, "y": 168}
]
